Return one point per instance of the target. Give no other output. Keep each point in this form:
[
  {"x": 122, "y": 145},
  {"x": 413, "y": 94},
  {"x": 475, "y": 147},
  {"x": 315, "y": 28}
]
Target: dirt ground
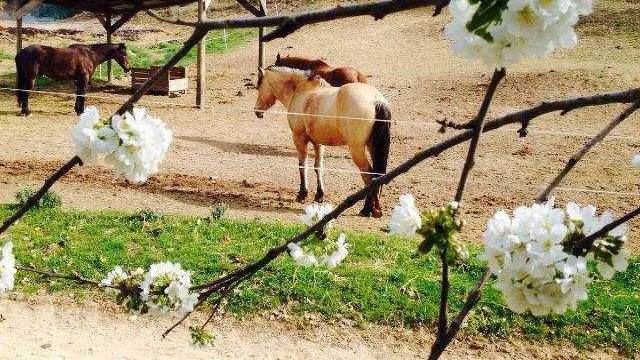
[
  {"x": 225, "y": 154},
  {"x": 45, "y": 328}
]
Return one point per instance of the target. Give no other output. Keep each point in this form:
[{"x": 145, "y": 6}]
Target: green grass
[
  {"x": 379, "y": 282},
  {"x": 5, "y": 56}
]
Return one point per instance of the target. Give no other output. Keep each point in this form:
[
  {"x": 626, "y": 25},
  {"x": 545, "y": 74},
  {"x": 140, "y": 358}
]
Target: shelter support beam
[{"x": 201, "y": 88}]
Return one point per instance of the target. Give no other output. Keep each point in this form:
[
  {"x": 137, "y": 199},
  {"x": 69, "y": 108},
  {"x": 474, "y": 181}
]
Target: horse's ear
[
  {"x": 278, "y": 57},
  {"x": 261, "y": 70}
]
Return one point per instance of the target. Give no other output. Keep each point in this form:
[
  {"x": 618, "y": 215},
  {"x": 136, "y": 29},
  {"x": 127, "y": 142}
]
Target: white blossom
[
  {"x": 133, "y": 144},
  {"x": 530, "y": 253},
  {"x": 300, "y": 256},
  {"x": 335, "y": 258},
  {"x": 144, "y": 144},
  {"x": 405, "y": 218},
  {"x": 527, "y": 28},
  {"x": 635, "y": 161},
  {"x": 7, "y": 268},
  {"x": 315, "y": 212},
  {"x": 165, "y": 288},
  {"x": 115, "y": 277}
]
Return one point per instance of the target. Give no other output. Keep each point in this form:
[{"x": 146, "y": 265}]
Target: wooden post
[
  {"x": 109, "y": 40},
  {"x": 201, "y": 88},
  {"x": 18, "y": 42},
  {"x": 261, "y": 52}
]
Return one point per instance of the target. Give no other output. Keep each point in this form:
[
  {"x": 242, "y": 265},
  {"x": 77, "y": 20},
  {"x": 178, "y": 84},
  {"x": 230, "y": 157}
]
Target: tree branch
[
  {"x": 443, "y": 316},
  {"x": 583, "y": 245},
  {"x": 478, "y": 127},
  {"x": 33, "y": 200},
  {"x": 573, "y": 160},
  {"x": 175, "y": 21},
  {"x": 288, "y": 23},
  {"x": 565, "y": 105},
  {"x": 74, "y": 277}
]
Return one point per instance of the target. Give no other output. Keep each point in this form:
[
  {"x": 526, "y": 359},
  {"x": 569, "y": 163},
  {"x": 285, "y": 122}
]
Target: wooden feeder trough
[{"x": 173, "y": 81}]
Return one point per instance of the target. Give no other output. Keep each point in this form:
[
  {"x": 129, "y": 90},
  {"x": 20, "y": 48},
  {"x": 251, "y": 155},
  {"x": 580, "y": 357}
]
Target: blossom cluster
[
  {"x": 134, "y": 144},
  {"x": 162, "y": 289},
  {"x": 312, "y": 214},
  {"x": 331, "y": 260},
  {"x": 315, "y": 212},
  {"x": 7, "y": 268},
  {"x": 405, "y": 217},
  {"x": 439, "y": 227},
  {"x": 532, "y": 254},
  {"x": 502, "y": 32}
]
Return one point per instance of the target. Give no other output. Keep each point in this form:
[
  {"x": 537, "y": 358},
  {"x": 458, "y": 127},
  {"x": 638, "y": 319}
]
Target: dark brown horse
[
  {"x": 77, "y": 62},
  {"x": 336, "y": 76}
]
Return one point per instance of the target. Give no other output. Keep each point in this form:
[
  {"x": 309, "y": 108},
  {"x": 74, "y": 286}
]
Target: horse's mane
[
  {"x": 290, "y": 70},
  {"x": 300, "y": 62}
]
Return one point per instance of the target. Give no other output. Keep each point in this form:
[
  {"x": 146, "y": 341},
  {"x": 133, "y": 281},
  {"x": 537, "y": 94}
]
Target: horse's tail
[
  {"x": 380, "y": 138},
  {"x": 363, "y": 78}
]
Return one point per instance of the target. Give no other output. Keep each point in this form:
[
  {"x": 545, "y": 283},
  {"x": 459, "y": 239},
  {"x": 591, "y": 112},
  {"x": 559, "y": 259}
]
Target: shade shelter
[{"x": 113, "y": 14}]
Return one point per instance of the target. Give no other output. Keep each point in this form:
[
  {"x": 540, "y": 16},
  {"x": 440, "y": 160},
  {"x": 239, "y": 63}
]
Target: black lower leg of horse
[
  {"x": 318, "y": 165},
  {"x": 80, "y": 92},
  {"x": 24, "y": 96},
  {"x": 301, "y": 141}
]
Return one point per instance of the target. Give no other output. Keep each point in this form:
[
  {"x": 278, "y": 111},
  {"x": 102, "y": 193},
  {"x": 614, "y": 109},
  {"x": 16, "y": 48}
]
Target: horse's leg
[
  {"x": 24, "y": 95},
  {"x": 80, "y": 92},
  {"x": 359, "y": 157},
  {"x": 319, "y": 165},
  {"x": 301, "y": 141}
]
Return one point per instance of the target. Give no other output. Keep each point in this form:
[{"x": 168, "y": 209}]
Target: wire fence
[{"x": 502, "y": 184}]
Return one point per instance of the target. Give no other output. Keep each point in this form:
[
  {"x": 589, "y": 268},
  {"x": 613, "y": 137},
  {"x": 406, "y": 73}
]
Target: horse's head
[
  {"x": 266, "y": 96},
  {"x": 119, "y": 54}
]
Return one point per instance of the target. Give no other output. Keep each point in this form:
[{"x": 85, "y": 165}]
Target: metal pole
[{"x": 201, "y": 76}]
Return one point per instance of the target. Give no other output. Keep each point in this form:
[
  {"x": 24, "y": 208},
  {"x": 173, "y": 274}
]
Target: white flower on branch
[
  {"x": 335, "y": 258},
  {"x": 300, "y": 256},
  {"x": 306, "y": 259},
  {"x": 531, "y": 254},
  {"x": 165, "y": 288},
  {"x": 315, "y": 212},
  {"x": 635, "y": 161},
  {"x": 133, "y": 144},
  {"x": 7, "y": 268},
  {"x": 405, "y": 218},
  {"x": 524, "y": 28}
]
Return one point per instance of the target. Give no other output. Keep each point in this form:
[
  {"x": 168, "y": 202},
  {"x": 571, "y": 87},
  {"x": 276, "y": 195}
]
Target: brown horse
[
  {"x": 77, "y": 62},
  {"x": 336, "y": 76},
  {"x": 356, "y": 115}
]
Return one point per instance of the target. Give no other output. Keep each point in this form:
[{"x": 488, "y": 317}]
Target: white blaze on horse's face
[{"x": 266, "y": 97}]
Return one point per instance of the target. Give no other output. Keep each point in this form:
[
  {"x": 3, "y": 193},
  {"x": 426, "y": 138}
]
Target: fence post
[
  {"x": 261, "y": 52},
  {"x": 201, "y": 76},
  {"x": 109, "y": 40}
]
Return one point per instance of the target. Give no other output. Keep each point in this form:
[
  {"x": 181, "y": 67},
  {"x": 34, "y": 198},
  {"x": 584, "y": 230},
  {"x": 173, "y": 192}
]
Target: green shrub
[{"x": 50, "y": 200}]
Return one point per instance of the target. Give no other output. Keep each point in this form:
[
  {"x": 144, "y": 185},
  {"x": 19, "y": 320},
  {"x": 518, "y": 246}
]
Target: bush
[
  {"x": 50, "y": 200},
  {"x": 218, "y": 211}
]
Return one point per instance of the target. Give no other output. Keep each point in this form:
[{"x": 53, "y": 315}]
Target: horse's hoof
[
  {"x": 25, "y": 113},
  {"x": 376, "y": 213},
  {"x": 319, "y": 197},
  {"x": 302, "y": 196},
  {"x": 365, "y": 212}
]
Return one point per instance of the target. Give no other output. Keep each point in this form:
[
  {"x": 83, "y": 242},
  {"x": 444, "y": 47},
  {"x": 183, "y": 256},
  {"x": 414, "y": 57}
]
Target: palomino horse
[
  {"x": 77, "y": 62},
  {"x": 336, "y": 76},
  {"x": 333, "y": 116}
]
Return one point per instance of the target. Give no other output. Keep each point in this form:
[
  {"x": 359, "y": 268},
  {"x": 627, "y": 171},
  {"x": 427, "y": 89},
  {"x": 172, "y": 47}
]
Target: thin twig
[
  {"x": 565, "y": 105},
  {"x": 582, "y": 246},
  {"x": 573, "y": 160},
  {"x": 175, "y": 21},
  {"x": 74, "y": 277},
  {"x": 478, "y": 127},
  {"x": 35, "y": 198}
]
